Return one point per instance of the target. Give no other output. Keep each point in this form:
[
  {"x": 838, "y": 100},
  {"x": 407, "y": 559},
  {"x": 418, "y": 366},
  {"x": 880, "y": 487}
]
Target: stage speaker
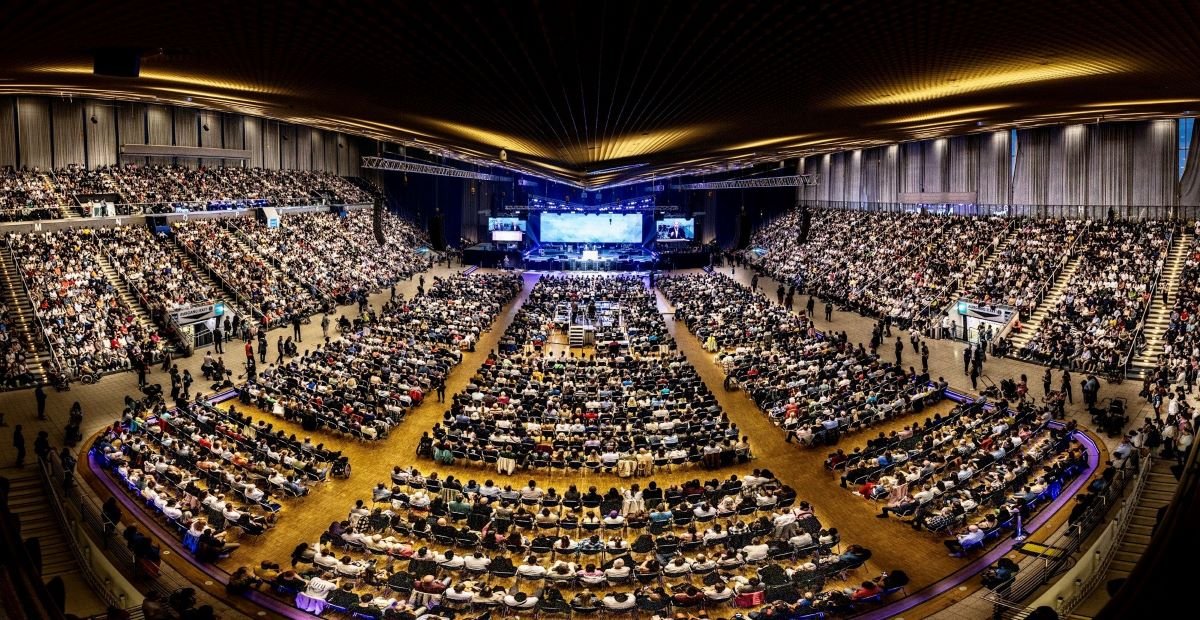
[
  {"x": 436, "y": 238},
  {"x": 118, "y": 63},
  {"x": 377, "y": 223},
  {"x": 805, "y": 224},
  {"x": 743, "y": 238}
]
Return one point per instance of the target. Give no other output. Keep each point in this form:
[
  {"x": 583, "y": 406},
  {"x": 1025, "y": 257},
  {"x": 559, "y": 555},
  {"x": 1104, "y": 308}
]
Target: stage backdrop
[{"x": 591, "y": 228}]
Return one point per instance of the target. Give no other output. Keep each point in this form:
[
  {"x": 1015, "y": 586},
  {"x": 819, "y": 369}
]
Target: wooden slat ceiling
[{"x": 576, "y": 89}]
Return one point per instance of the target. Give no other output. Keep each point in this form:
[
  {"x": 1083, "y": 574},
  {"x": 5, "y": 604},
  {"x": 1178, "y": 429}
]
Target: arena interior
[{"x": 670, "y": 310}]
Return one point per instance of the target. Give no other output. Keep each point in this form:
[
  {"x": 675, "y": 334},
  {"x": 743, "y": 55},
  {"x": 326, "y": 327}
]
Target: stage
[{"x": 590, "y": 257}]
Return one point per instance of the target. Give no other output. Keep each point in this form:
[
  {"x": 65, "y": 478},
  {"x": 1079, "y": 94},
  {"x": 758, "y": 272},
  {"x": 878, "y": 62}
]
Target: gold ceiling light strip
[
  {"x": 1114, "y": 104},
  {"x": 987, "y": 78},
  {"x": 930, "y": 116}
]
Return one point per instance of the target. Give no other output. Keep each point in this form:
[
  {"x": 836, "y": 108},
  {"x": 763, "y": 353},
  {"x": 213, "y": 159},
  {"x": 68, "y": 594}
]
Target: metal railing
[
  {"x": 1141, "y": 327},
  {"x": 55, "y": 360},
  {"x": 1088, "y": 212},
  {"x": 164, "y": 319},
  {"x": 199, "y": 261},
  {"x": 59, "y": 497},
  {"x": 275, "y": 262},
  {"x": 1060, "y": 549}
]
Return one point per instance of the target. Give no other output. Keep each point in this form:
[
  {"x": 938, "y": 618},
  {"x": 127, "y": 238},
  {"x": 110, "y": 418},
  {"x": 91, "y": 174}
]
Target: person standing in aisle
[
  {"x": 1066, "y": 386},
  {"x": 18, "y": 442},
  {"x": 924, "y": 358},
  {"x": 899, "y": 350},
  {"x": 40, "y": 395},
  {"x": 1047, "y": 382},
  {"x": 828, "y": 312}
]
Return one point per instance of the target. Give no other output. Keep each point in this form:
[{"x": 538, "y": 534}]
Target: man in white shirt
[
  {"x": 320, "y": 586},
  {"x": 756, "y": 551}
]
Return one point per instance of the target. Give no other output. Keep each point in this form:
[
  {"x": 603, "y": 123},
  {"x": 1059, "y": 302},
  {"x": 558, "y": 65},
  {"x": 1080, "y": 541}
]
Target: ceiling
[{"x": 599, "y": 93}]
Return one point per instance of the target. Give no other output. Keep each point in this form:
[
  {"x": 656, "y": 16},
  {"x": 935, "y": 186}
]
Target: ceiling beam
[
  {"x": 396, "y": 165},
  {"x": 798, "y": 180}
]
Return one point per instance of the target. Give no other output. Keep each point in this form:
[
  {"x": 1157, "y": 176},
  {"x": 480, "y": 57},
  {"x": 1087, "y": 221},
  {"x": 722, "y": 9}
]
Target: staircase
[
  {"x": 24, "y": 320},
  {"x": 28, "y": 499},
  {"x": 1052, "y": 296},
  {"x": 184, "y": 258},
  {"x": 127, "y": 297},
  {"x": 69, "y": 209},
  {"x": 577, "y": 336},
  {"x": 1159, "y": 491},
  {"x": 982, "y": 269},
  {"x": 1158, "y": 319}
]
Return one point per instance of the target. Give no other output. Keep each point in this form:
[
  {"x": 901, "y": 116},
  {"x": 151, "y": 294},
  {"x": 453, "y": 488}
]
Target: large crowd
[
  {"x": 207, "y": 471},
  {"x": 33, "y": 194},
  {"x": 28, "y": 195},
  {"x": 628, "y": 408},
  {"x": 275, "y": 298},
  {"x": 903, "y": 266},
  {"x": 338, "y": 256},
  {"x": 88, "y": 325},
  {"x": 1179, "y": 360},
  {"x": 14, "y": 356},
  {"x": 1026, "y": 264},
  {"x": 1094, "y": 324},
  {"x": 143, "y": 259},
  {"x": 363, "y": 383},
  {"x": 424, "y": 543},
  {"x": 174, "y": 188},
  {"x": 816, "y": 386}
]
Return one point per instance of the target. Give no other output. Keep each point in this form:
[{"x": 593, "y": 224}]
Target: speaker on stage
[
  {"x": 377, "y": 222},
  {"x": 436, "y": 238}
]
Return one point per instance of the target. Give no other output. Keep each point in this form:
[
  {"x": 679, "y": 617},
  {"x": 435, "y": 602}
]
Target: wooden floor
[{"x": 894, "y": 546}]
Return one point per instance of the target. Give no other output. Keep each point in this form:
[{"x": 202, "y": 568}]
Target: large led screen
[
  {"x": 676, "y": 229},
  {"x": 591, "y": 228}
]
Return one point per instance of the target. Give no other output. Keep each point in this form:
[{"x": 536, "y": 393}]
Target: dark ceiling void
[{"x": 601, "y": 92}]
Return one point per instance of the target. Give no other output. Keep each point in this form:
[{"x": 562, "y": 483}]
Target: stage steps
[
  {"x": 1048, "y": 303},
  {"x": 1158, "y": 319},
  {"x": 1160, "y": 490},
  {"x": 23, "y": 318}
]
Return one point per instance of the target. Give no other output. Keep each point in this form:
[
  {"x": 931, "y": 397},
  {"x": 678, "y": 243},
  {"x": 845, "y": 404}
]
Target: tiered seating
[
  {"x": 814, "y": 386},
  {"x": 145, "y": 261},
  {"x": 275, "y": 297},
  {"x": 977, "y": 466},
  {"x": 1182, "y": 338},
  {"x": 526, "y": 409},
  {"x": 14, "y": 358},
  {"x": 900, "y": 265},
  {"x": 740, "y": 542},
  {"x": 28, "y": 195},
  {"x": 1026, "y": 263},
  {"x": 173, "y": 188},
  {"x": 338, "y": 256},
  {"x": 362, "y": 385},
  {"x": 208, "y": 471},
  {"x": 87, "y": 323},
  {"x": 1092, "y": 325}
]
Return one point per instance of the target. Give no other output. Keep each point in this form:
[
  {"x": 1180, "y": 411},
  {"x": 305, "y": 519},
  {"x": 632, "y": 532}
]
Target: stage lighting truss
[
  {"x": 396, "y": 165},
  {"x": 797, "y": 180}
]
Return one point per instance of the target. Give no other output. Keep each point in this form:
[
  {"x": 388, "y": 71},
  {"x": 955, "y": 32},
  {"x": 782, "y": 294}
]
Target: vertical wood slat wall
[{"x": 51, "y": 132}]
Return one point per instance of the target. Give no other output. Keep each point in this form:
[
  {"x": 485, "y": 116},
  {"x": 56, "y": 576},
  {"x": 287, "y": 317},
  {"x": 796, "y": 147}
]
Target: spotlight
[
  {"x": 205, "y": 127},
  {"x": 95, "y": 120}
]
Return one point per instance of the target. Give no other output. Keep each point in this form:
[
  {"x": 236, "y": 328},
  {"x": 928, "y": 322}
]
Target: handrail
[
  {"x": 1137, "y": 333},
  {"x": 276, "y": 263},
  {"x": 994, "y": 248},
  {"x": 167, "y": 320},
  {"x": 54, "y": 358},
  {"x": 244, "y": 301},
  {"x": 67, "y": 525},
  {"x": 1061, "y": 548},
  {"x": 1120, "y": 526}
]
